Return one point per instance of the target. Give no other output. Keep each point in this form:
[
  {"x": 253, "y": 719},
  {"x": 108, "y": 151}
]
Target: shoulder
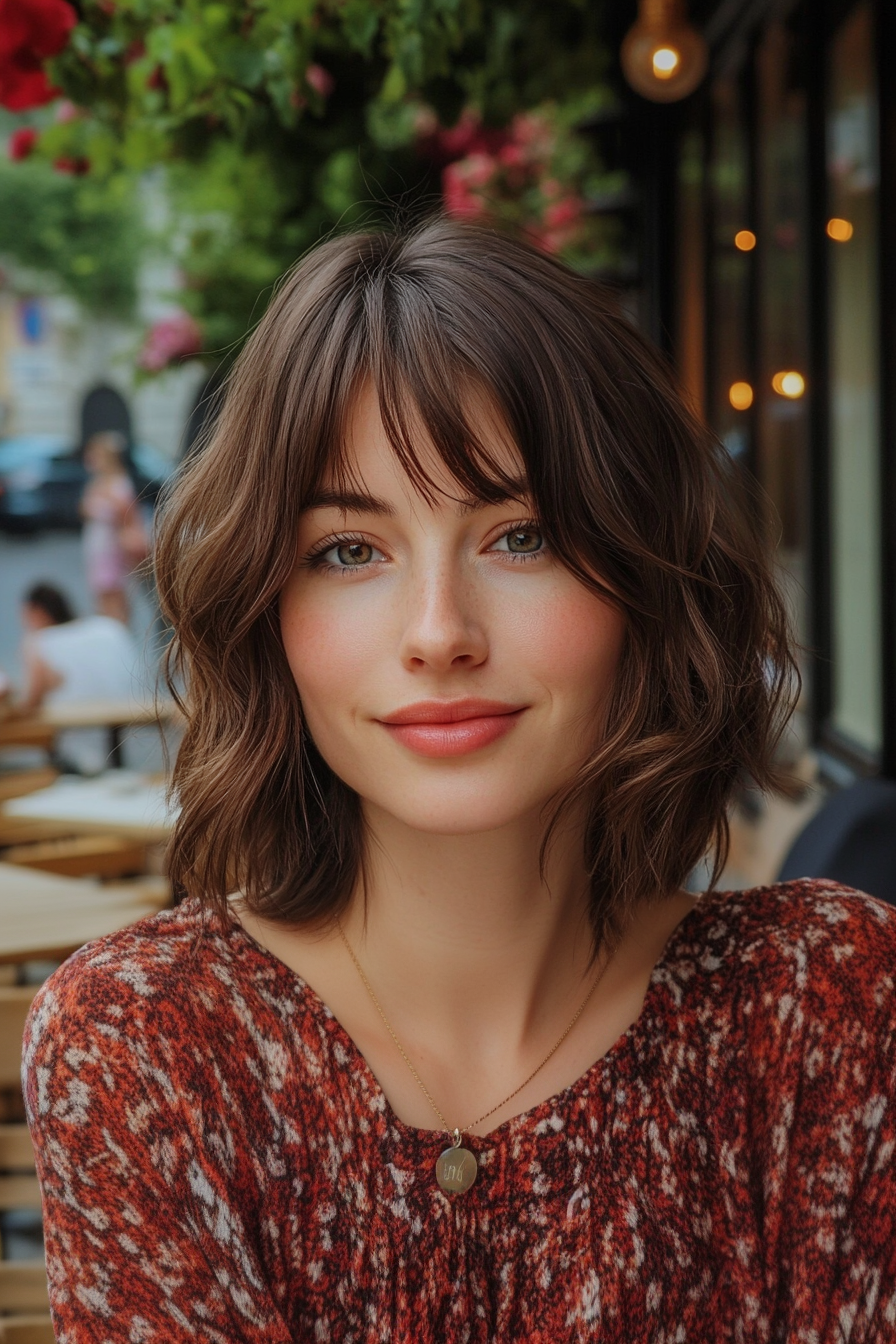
[
  {"x": 793, "y": 970},
  {"x": 171, "y": 987},
  {"x": 171, "y": 1022},
  {"x": 105, "y": 630},
  {"x": 793, "y": 927}
]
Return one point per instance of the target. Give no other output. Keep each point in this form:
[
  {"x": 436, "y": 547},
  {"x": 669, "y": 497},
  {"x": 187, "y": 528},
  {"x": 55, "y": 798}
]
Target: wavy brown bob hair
[{"x": 634, "y": 496}]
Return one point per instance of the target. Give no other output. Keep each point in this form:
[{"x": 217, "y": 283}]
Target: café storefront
[{"x": 769, "y": 232}]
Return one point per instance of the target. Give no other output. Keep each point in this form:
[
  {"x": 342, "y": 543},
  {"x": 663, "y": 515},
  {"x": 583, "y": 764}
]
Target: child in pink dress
[{"x": 108, "y": 508}]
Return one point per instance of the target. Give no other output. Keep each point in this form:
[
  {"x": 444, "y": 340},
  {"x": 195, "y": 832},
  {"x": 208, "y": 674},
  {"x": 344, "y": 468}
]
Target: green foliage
[
  {"x": 77, "y": 234},
  {"x": 280, "y": 120}
]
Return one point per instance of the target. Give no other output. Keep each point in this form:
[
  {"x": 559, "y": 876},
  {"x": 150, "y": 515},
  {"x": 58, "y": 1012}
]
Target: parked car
[{"x": 42, "y": 479}]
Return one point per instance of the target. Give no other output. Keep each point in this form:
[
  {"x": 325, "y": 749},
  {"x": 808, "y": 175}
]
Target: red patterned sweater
[{"x": 219, "y": 1164}]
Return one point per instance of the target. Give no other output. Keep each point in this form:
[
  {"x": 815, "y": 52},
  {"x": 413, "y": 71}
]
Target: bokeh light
[
  {"x": 840, "y": 230},
  {"x": 741, "y": 396},
  {"x": 789, "y": 383},
  {"x": 666, "y": 61}
]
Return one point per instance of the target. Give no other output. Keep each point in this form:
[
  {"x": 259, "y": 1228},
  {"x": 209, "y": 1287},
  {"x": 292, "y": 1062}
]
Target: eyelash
[{"x": 315, "y": 559}]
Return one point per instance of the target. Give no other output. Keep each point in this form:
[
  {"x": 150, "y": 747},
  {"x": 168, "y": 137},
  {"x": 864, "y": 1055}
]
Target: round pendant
[{"x": 456, "y": 1169}]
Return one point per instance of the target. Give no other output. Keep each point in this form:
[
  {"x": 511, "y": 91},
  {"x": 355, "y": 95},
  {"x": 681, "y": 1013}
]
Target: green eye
[
  {"x": 354, "y": 553},
  {"x": 523, "y": 541}
]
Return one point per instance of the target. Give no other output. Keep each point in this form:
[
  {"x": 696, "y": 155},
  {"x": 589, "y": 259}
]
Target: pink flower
[
  {"x": 66, "y": 111},
  {"x": 562, "y": 213},
  {"x": 169, "y": 339},
  {"x": 477, "y": 169},
  {"x": 30, "y": 32},
  {"x": 458, "y": 140},
  {"x": 320, "y": 80},
  {"x": 512, "y": 156},
  {"x": 21, "y": 143},
  {"x": 526, "y": 129},
  {"x": 457, "y": 196}
]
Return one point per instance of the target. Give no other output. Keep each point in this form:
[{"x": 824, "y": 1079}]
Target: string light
[
  {"x": 840, "y": 230},
  {"x": 745, "y": 240},
  {"x": 666, "y": 61},
  {"x": 663, "y": 56},
  {"x": 741, "y": 396},
  {"x": 788, "y": 383}
]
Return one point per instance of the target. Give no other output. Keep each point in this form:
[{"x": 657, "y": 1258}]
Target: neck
[{"x": 467, "y": 929}]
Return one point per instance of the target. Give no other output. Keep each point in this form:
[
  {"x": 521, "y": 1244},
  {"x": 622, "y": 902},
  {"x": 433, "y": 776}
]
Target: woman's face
[{"x": 452, "y": 672}]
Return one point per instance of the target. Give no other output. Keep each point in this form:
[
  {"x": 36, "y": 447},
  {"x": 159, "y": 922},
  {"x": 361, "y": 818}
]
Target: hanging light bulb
[{"x": 663, "y": 56}]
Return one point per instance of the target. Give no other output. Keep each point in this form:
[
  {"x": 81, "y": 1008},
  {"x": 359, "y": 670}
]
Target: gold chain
[{"x": 419, "y": 1081}]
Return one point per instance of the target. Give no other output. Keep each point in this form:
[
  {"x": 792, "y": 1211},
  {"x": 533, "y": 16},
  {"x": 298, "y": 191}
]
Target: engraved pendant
[{"x": 456, "y": 1168}]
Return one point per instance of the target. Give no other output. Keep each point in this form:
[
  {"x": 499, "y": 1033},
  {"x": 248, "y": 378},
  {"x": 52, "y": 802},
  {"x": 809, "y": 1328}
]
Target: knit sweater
[{"x": 218, "y": 1162}]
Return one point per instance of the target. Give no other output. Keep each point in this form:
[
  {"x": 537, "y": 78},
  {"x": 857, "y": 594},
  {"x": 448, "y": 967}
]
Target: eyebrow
[{"x": 358, "y": 501}]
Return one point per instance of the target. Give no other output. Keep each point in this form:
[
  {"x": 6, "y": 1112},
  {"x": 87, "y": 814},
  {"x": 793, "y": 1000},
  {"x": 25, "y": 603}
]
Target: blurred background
[{"x": 728, "y": 167}]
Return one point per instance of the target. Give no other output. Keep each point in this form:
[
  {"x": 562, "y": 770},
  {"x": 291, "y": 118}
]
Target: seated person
[{"x": 69, "y": 659}]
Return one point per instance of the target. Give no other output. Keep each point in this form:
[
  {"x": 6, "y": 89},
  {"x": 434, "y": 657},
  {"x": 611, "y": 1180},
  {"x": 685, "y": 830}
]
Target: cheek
[
  {"x": 573, "y": 645},
  {"x": 328, "y": 649}
]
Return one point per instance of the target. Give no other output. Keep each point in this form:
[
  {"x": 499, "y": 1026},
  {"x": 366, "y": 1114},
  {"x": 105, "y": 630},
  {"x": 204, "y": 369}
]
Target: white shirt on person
[{"x": 97, "y": 659}]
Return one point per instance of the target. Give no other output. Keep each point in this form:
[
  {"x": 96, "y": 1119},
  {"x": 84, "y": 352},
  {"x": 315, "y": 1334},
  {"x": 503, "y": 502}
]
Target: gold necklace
[{"x": 456, "y": 1167}]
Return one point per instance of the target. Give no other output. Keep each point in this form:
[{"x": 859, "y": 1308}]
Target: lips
[{"x": 451, "y": 727}]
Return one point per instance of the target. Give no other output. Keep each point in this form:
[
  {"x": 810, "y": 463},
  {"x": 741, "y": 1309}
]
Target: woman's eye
[
  {"x": 520, "y": 541},
  {"x": 352, "y": 554}
]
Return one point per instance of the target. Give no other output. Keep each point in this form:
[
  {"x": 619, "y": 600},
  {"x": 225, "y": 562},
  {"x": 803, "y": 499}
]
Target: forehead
[{"x": 370, "y": 460}]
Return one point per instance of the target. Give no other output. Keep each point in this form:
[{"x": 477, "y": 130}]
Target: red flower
[
  {"x": 77, "y": 166},
  {"x": 30, "y": 32},
  {"x": 21, "y": 142}
]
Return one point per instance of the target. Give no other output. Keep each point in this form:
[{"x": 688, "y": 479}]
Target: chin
[{"x": 444, "y": 814}]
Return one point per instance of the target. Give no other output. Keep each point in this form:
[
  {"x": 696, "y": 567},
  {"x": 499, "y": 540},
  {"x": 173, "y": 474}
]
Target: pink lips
[{"x": 451, "y": 727}]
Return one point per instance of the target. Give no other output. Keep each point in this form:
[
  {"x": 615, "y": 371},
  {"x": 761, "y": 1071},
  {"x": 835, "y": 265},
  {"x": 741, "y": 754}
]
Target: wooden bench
[{"x": 24, "y": 1305}]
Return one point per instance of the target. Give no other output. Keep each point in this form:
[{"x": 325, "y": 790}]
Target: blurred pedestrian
[
  {"x": 68, "y": 660},
  {"x": 115, "y": 539}
]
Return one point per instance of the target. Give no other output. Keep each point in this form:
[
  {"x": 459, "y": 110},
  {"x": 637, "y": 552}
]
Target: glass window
[
  {"x": 855, "y": 473},
  {"x": 691, "y": 335},
  {"x": 733, "y": 244},
  {"x": 782, "y": 380}
]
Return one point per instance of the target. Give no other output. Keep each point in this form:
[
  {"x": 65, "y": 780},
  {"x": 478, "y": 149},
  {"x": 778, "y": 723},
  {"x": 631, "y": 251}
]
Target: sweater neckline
[{"x": 620, "y": 1055}]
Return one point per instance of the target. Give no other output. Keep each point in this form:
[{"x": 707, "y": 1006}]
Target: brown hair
[{"x": 627, "y": 484}]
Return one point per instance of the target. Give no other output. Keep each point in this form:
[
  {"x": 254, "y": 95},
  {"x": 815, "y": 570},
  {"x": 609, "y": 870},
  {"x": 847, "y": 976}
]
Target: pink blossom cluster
[
  {"x": 507, "y": 172},
  {"x": 170, "y": 338}
]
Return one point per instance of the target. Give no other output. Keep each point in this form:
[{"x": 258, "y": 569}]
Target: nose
[{"x": 444, "y": 626}]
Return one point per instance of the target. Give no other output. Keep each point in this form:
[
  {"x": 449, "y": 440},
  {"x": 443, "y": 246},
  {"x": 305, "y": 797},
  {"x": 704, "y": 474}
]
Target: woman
[
  {"x": 114, "y": 538},
  {"x": 438, "y": 1048}
]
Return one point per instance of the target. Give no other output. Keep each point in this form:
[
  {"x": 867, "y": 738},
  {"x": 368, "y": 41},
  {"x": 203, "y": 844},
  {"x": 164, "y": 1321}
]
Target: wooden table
[
  {"x": 119, "y": 802},
  {"x": 40, "y": 728},
  {"x": 47, "y": 917}
]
